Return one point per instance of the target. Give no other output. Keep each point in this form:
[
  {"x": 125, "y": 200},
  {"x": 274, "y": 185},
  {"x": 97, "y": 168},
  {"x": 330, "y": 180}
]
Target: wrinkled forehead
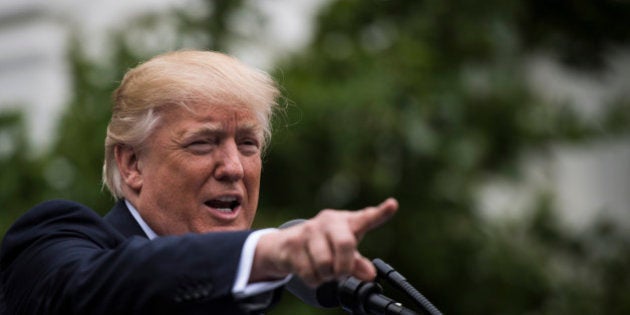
[{"x": 219, "y": 115}]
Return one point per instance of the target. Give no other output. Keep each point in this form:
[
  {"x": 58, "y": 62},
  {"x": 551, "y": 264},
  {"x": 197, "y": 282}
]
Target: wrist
[{"x": 266, "y": 265}]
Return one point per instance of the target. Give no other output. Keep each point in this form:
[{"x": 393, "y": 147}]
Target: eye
[
  {"x": 249, "y": 145},
  {"x": 201, "y": 146}
]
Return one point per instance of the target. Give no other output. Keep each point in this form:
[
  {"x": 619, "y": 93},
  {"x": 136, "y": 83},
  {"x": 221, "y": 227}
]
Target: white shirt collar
[{"x": 136, "y": 215}]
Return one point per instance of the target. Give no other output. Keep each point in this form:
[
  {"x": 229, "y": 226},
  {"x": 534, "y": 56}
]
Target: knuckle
[
  {"x": 326, "y": 214},
  {"x": 332, "y": 214},
  {"x": 293, "y": 243},
  {"x": 308, "y": 228},
  {"x": 324, "y": 263},
  {"x": 346, "y": 244}
]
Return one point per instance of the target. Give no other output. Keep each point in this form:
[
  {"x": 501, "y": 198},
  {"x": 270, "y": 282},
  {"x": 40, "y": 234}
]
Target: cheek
[
  {"x": 252, "y": 170},
  {"x": 191, "y": 168},
  {"x": 252, "y": 178},
  {"x": 177, "y": 180}
]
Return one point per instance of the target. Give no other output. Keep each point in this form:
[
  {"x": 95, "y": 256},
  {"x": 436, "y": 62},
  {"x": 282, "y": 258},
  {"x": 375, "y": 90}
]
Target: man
[{"x": 183, "y": 159}]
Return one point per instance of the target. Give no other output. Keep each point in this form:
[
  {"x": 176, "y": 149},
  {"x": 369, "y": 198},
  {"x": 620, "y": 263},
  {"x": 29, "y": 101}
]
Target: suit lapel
[{"x": 123, "y": 221}]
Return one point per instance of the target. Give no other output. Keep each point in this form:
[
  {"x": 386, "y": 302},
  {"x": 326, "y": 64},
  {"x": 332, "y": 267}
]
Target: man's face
[{"x": 201, "y": 170}]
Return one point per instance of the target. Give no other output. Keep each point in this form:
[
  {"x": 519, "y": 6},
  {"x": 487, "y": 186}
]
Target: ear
[{"x": 128, "y": 166}]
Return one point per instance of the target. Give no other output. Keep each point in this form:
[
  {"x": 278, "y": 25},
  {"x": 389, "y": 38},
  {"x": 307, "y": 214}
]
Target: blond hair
[{"x": 181, "y": 78}]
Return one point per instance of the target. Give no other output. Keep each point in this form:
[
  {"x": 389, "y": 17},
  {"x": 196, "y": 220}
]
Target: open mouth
[{"x": 225, "y": 204}]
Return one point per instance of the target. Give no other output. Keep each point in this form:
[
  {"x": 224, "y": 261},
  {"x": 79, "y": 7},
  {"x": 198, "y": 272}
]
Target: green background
[{"x": 421, "y": 100}]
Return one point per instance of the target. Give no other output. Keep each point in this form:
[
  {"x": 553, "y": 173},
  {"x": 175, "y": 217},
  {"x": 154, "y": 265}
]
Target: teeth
[
  {"x": 225, "y": 204},
  {"x": 226, "y": 210}
]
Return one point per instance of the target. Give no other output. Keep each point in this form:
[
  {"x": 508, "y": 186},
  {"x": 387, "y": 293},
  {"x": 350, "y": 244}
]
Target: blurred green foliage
[{"x": 421, "y": 100}]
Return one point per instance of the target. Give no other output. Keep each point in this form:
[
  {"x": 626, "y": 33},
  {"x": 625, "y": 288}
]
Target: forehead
[{"x": 217, "y": 115}]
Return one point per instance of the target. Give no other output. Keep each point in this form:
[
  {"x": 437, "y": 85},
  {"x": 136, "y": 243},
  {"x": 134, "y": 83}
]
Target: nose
[{"x": 229, "y": 166}]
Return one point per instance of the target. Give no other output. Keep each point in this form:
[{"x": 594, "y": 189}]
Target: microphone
[{"x": 353, "y": 295}]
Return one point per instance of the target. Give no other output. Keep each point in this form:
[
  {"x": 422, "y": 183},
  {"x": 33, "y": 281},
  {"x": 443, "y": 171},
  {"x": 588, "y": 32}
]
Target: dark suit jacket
[{"x": 62, "y": 258}]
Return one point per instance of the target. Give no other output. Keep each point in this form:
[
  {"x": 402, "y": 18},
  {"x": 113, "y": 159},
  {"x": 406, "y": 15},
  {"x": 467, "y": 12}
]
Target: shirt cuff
[{"x": 242, "y": 289}]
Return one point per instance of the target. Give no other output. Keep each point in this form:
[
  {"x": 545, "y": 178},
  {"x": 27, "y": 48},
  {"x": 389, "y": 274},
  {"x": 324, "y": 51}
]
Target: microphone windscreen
[
  {"x": 291, "y": 223},
  {"x": 325, "y": 295}
]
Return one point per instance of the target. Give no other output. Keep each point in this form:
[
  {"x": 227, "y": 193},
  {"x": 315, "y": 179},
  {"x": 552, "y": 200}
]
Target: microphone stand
[
  {"x": 363, "y": 298},
  {"x": 400, "y": 282}
]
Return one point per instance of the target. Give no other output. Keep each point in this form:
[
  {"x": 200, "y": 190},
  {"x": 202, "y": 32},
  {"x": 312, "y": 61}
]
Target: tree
[
  {"x": 23, "y": 178},
  {"x": 424, "y": 100}
]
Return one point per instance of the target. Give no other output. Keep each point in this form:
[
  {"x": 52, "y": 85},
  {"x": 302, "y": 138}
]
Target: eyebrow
[
  {"x": 250, "y": 127},
  {"x": 217, "y": 128},
  {"x": 206, "y": 129}
]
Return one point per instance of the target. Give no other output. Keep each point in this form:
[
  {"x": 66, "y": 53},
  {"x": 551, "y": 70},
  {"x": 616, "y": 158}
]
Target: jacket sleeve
[{"x": 62, "y": 258}]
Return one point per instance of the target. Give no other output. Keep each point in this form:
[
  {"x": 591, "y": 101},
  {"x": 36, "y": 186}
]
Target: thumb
[{"x": 363, "y": 268}]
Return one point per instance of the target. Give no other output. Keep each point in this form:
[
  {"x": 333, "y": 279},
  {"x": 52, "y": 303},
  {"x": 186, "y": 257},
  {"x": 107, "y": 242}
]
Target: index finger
[{"x": 367, "y": 219}]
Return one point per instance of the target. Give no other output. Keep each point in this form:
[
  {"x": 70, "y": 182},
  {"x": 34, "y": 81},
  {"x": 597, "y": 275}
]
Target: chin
[{"x": 226, "y": 228}]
